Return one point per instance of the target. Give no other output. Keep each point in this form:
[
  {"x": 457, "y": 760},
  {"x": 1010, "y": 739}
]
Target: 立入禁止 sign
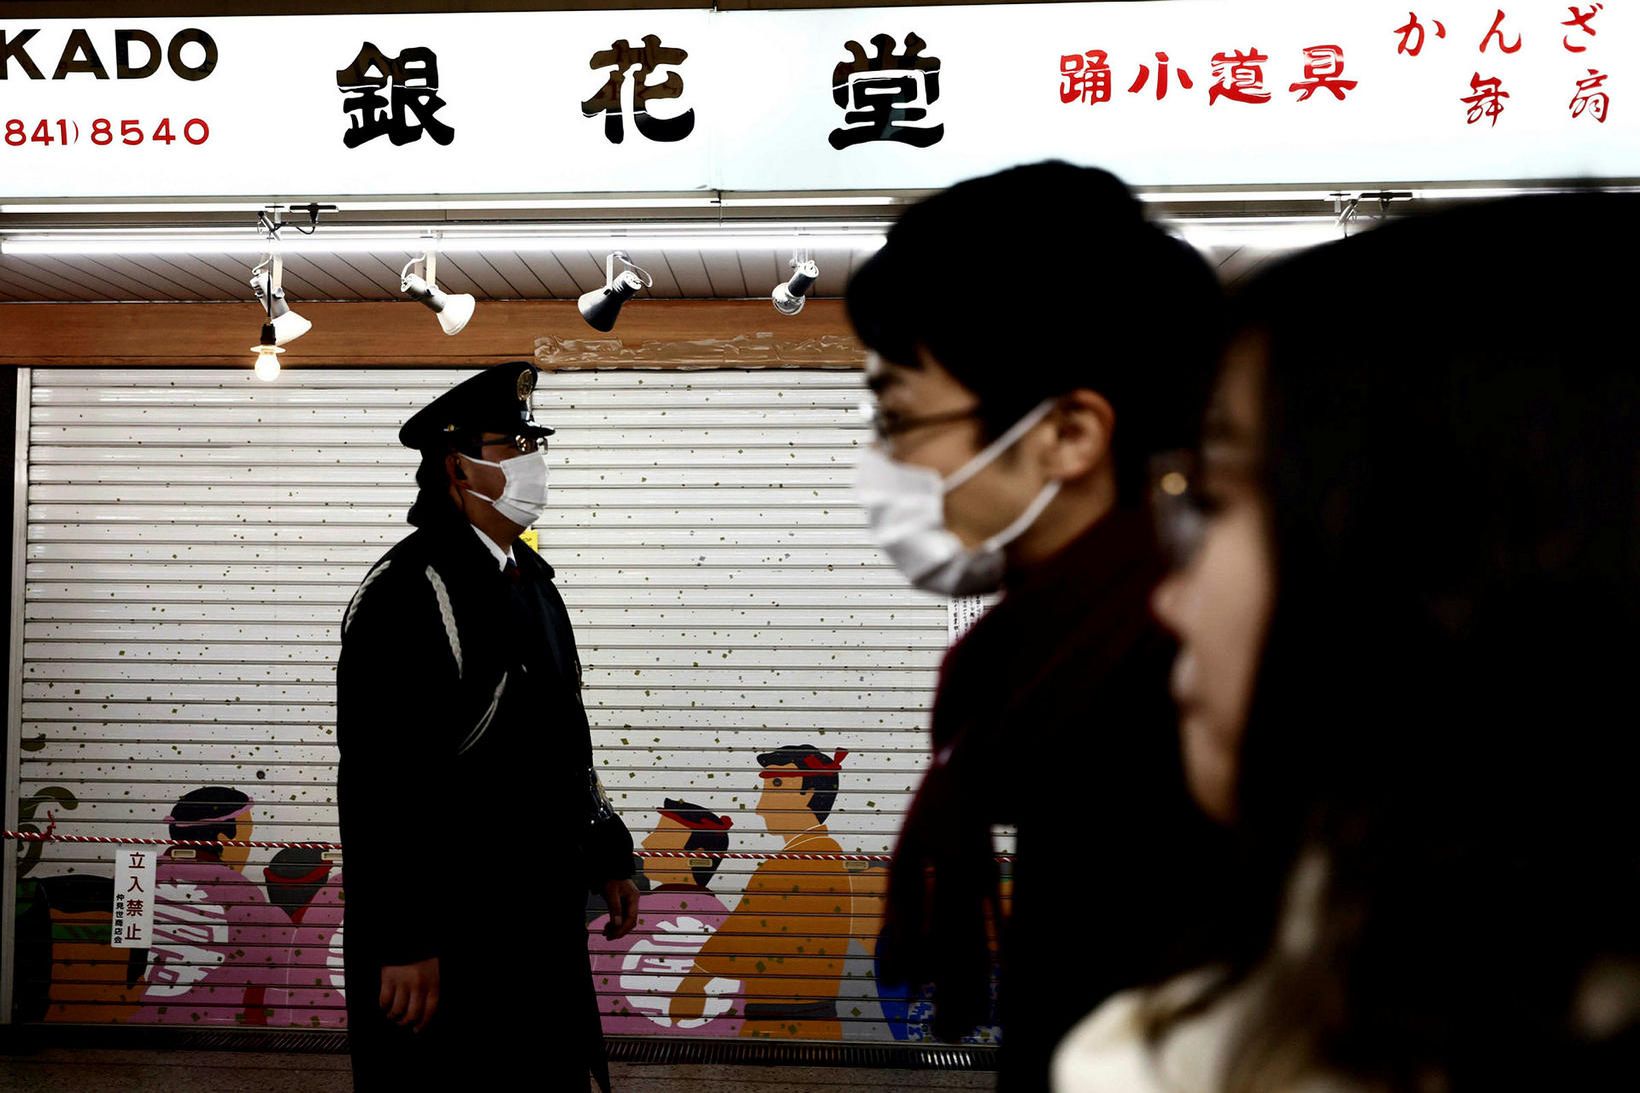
[{"x": 133, "y": 925}]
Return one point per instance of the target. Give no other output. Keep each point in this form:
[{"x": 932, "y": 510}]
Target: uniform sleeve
[
  {"x": 608, "y": 845},
  {"x": 397, "y": 672}
]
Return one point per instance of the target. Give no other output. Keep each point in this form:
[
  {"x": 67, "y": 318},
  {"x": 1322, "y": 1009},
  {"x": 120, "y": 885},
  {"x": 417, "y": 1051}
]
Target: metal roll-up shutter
[{"x": 193, "y": 538}]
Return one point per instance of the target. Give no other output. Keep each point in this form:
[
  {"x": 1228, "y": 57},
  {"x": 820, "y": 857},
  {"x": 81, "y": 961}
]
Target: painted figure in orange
[{"x": 787, "y": 937}]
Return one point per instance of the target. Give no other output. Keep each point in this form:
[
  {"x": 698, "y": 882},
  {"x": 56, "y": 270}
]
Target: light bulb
[
  {"x": 267, "y": 355},
  {"x": 267, "y": 362}
]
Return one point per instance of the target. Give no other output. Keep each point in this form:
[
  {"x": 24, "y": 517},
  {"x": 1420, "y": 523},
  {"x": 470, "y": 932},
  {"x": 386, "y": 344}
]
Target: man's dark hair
[
  {"x": 432, "y": 483},
  {"x": 1040, "y": 280},
  {"x": 710, "y": 843},
  {"x": 823, "y": 785},
  {"x": 208, "y": 803}
]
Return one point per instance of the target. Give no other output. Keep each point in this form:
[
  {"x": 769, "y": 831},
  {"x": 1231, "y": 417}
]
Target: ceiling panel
[
  {"x": 763, "y": 270},
  {"x": 179, "y": 271},
  {"x": 55, "y": 280},
  {"x": 723, "y": 271},
  {"x": 310, "y": 280},
  {"x": 490, "y": 275},
  {"x": 686, "y": 274},
  {"x": 666, "y": 285},
  {"x": 690, "y": 273},
  {"x": 835, "y": 269},
  {"x": 587, "y": 270},
  {"x": 17, "y": 288},
  {"x": 551, "y": 273},
  {"x": 1236, "y": 265},
  {"x": 381, "y": 270},
  {"x": 467, "y": 273},
  {"x": 140, "y": 279},
  {"x": 525, "y": 281},
  {"x": 97, "y": 287},
  {"x": 338, "y": 268}
]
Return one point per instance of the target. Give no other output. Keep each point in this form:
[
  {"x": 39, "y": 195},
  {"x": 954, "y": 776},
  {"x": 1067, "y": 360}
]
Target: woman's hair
[{"x": 1444, "y": 724}]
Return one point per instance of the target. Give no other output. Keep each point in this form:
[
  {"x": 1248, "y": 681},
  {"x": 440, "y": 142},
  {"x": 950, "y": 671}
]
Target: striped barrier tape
[{"x": 730, "y": 855}]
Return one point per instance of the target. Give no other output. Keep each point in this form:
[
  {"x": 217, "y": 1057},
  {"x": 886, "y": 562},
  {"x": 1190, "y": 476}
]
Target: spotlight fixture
[
  {"x": 267, "y": 279},
  {"x": 601, "y": 306},
  {"x": 453, "y": 309},
  {"x": 790, "y": 297},
  {"x": 1348, "y": 207}
]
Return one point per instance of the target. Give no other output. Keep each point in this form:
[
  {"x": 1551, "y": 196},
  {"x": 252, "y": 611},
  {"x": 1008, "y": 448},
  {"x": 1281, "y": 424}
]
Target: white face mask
[
  {"x": 523, "y": 497},
  {"x": 905, "y": 506}
]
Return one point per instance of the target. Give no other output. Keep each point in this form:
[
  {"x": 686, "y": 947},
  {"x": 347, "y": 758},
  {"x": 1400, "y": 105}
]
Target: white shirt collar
[{"x": 501, "y": 557}]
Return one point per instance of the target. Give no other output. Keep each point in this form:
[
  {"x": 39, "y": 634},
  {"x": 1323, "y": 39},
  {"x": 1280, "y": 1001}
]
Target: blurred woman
[{"x": 1408, "y": 601}]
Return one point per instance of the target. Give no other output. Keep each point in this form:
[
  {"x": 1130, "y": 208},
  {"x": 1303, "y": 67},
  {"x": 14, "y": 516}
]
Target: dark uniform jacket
[
  {"x": 1053, "y": 714},
  {"x": 470, "y": 830}
]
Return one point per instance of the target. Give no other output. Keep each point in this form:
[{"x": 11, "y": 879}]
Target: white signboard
[
  {"x": 1186, "y": 93},
  {"x": 133, "y": 897},
  {"x": 1191, "y": 94}
]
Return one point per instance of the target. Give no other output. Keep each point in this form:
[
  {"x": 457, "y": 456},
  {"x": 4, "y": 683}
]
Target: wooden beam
[{"x": 650, "y": 334}]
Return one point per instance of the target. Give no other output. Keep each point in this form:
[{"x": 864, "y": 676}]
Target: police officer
[{"x": 472, "y": 820}]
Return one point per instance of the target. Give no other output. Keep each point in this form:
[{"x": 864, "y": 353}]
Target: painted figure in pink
[
  {"x": 218, "y": 946},
  {"x": 304, "y": 885},
  {"x": 636, "y": 976}
]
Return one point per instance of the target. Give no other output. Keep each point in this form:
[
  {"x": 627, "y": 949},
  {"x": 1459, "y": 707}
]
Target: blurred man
[{"x": 1014, "y": 435}]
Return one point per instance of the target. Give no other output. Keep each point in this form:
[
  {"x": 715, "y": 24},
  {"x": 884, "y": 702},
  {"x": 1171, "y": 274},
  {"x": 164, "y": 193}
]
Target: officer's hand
[
  {"x": 410, "y": 993},
  {"x": 622, "y": 897}
]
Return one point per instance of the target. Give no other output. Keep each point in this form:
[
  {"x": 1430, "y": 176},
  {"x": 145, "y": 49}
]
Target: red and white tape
[
  {"x": 109, "y": 840},
  {"x": 731, "y": 855}
]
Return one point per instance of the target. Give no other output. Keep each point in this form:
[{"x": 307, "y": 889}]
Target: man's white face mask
[
  {"x": 905, "y": 506},
  {"x": 523, "y": 497}
]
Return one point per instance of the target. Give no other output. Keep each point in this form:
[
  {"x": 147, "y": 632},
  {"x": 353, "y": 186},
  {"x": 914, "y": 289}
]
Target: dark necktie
[{"x": 511, "y": 571}]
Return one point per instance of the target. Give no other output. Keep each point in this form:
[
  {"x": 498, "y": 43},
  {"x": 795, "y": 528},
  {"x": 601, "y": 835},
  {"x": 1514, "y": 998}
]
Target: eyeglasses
[
  {"x": 886, "y": 424},
  {"x": 523, "y": 445},
  {"x": 1181, "y": 512}
]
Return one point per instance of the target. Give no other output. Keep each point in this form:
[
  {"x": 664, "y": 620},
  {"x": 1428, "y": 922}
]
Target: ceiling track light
[
  {"x": 1348, "y": 206},
  {"x": 602, "y": 306},
  {"x": 267, "y": 281},
  {"x": 790, "y": 297},
  {"x": 454, "y": 309}
]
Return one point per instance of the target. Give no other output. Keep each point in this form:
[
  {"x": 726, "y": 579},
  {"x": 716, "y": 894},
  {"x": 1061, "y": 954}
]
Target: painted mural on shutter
[{"x": 756, "y": 673}]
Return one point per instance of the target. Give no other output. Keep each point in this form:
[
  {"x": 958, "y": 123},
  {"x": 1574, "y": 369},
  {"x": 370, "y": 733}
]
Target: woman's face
[{"x": 1218, "y": 602}]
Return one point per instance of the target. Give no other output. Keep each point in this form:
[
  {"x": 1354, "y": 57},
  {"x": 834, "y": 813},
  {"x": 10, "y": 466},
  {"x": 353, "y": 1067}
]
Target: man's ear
[
  {"x": 453, "y": 467},
  {"x": 1083, "y": 425}
]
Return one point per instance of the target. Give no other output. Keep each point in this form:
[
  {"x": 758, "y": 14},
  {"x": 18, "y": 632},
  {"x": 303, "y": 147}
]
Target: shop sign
[{"x": 1185, "y": 93}]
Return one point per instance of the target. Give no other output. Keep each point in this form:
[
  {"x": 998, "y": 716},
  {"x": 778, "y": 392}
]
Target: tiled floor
[{"x": 64, "y": 1070}]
